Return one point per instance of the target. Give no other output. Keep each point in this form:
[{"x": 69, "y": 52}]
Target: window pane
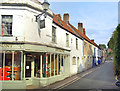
[
  {"x": 17, "y": 66},
  {"x": 1, "y": 65},
  {"x": 53, "y": 34},
  {"x": 8, "y": 66},
  {"x": 37, "y": 66},
  {"x": 6, "y": 25},
  {"x": 74, "y": 61}
]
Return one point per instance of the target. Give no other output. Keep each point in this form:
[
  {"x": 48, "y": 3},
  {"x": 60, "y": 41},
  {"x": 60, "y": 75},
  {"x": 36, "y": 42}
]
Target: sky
[{"x": 99, "y": 18}]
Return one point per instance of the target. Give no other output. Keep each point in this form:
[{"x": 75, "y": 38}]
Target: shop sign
[
  {"x": 46, "y": 64},
  {"x": 59, "y": 50},
  {"x": 6, "y": 45}
]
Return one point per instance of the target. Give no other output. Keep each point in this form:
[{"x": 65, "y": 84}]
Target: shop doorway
[{"x": 29, "y": 71}]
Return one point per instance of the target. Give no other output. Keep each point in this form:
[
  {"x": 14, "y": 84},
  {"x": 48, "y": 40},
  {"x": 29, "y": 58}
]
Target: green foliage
[
  {"x": 114, "y": 44},
  {"x": 102, "y": 45}
]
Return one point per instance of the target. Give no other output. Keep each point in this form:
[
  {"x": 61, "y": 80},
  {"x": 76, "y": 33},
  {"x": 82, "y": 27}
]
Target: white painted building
[{"x": 33, "y": 56}]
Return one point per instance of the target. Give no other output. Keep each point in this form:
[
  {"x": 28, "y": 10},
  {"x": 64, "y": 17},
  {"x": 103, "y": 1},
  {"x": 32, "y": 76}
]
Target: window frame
[
  {"x": 9, "y": 26},
  {"x": 76, "y": 43},
  {"x": 67, "y": 40},
  {"x": 54, "y": 34}
]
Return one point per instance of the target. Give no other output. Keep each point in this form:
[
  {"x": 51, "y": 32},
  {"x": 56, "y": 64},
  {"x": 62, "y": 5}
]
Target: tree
[
  {"x": 102, "y": 45},
  {"x": 116, "y": 50}
]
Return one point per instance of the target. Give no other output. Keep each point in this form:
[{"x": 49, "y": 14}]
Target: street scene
[{"x": 59, "y": 45}]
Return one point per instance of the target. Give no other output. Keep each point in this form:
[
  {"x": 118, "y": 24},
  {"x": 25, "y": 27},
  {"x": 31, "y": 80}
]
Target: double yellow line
[{"x": 74, "y": 80}]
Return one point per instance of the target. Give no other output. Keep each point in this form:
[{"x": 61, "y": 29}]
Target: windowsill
[{"x": 54, "y": 42}]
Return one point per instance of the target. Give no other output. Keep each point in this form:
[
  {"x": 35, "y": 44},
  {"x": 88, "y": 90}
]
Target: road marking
[
  {"x": 66, "y": 83},
  {"x": 74, "y": 80}
]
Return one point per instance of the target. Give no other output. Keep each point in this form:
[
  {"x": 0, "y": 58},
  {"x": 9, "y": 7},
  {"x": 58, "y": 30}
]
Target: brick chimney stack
[
  {"x": 66, "y": 18},
  {"x": 92, "y": 40},
  {"x": 80, "y": 27},
  {"x": 84, "y": 31},
  {"x": 59, "y": 16}
]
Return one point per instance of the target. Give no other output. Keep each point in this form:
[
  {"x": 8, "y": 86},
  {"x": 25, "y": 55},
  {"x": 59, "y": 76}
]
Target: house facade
[{"x": 31, "y": 55}]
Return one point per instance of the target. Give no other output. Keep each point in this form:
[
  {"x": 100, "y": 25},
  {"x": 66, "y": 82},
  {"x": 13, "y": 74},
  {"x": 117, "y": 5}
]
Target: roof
[
  {"x": 62, "y": 24},
  {"x": 65, "y": 26}
]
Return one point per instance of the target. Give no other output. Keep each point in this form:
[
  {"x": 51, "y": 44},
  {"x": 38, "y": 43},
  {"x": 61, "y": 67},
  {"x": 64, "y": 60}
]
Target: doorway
[{"x": 29, "y": 71}]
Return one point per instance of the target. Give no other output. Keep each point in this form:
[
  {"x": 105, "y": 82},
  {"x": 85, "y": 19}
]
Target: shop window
[
  {"x": 56, "y": 70},
  {"x": 52, "y": 65},
  {"x": 1, "y": 65},
  {"x": 59, "y": 64},
  {"x": 8, "y": 66},
  {"x": 17, "y": 66},
  {"x": 74, "y": 61},
  {"x": 6, "y": 25},
  {"x": 37, "y": 66}
]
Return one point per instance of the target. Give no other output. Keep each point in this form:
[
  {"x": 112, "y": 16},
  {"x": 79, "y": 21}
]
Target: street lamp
[{"x": 45, "y": 6}]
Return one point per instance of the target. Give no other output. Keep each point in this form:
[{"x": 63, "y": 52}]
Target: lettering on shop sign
[
  {"x": 59, "y": 50},
  {"x": 6, "y": 45}
]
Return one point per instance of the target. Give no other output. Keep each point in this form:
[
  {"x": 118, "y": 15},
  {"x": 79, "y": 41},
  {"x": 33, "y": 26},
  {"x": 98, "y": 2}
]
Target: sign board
[
  {"x": 42, "y": 24},
  {"x": 46, "y": 62}
]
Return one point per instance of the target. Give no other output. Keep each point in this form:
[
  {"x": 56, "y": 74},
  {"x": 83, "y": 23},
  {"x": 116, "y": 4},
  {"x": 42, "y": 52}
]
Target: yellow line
[{"x": 77, "y": 79}]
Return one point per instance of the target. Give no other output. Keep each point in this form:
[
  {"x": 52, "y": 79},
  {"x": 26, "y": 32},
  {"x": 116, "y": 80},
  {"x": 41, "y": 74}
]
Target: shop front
[{"x": 22, "y": 66}]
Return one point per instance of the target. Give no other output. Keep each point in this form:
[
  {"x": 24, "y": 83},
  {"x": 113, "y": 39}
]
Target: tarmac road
[{"x": 101, "y": 78}]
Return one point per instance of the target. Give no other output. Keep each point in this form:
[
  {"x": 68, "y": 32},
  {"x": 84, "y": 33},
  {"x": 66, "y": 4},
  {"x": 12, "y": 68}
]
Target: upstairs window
[
  {"x": 67, "y": 40},
  {"x": 76, "y": 43},
  {"x": 85, "y": 44},
  {"x": 6, "y": 26},
  {"x": 53, "y": 34}
]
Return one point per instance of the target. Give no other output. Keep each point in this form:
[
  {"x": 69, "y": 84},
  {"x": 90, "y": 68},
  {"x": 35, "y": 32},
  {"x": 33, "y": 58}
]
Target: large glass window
[
  {"x": 37, "y": 66},
  {"x": 1, "y": 65},
  {"x": 6, "y": 25},
  {"x": 10, "y": 66},
  {"x": 17, "y": 66}
]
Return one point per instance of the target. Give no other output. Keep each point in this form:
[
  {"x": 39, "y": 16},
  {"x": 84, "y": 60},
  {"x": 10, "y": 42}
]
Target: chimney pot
[
  {"x": 92, "y": 40},
  {"x": 59, "y": 16},
  {"x": 80, "y": 27},
  {"x": 84, "y": 31},
  {"x": 66, "y": 18}
]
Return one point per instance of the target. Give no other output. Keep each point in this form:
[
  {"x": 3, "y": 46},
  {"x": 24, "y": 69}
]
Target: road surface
[{"x": 102, "y": 78}]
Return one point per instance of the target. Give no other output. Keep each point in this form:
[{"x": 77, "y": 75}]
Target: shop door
[
  {"x": 28, "y": 69},
  {"x": 29, "y": 72}
]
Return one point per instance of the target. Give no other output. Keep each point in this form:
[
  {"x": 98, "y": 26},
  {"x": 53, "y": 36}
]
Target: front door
[{"x": 29, "y": 71}]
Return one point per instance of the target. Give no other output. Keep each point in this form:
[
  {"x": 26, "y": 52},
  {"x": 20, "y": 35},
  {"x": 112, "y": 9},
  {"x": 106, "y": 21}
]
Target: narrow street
[{"x": 101, "y": 78}]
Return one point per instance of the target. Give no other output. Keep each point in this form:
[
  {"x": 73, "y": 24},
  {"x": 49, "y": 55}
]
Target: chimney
[
  {"x": 84, "y": 31},
  {"x": 59, "y": 16},
  {"x": 80, "y": 27},
  {"x": 66, "y": 18},
  {"x": 92, "y": 40}
]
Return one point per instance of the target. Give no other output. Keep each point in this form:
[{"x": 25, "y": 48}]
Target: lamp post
[{"x": 45, "y": 6}]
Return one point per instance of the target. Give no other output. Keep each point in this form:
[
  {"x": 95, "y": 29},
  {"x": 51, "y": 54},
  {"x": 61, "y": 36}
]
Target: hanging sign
[{"x": 46, "y": 64}]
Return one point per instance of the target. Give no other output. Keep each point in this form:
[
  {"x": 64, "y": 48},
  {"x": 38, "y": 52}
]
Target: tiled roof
[
  {"x": 61, "y": 23},
  {"x": 65, "y": 26}
]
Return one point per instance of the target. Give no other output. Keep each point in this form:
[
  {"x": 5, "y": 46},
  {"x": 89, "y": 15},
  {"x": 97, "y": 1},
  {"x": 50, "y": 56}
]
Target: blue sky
[{"x": 99, "y": 18}]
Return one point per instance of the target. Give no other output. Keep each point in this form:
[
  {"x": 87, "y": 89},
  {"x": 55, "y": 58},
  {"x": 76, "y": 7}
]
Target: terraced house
[{"x": 34, "y": 54}]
